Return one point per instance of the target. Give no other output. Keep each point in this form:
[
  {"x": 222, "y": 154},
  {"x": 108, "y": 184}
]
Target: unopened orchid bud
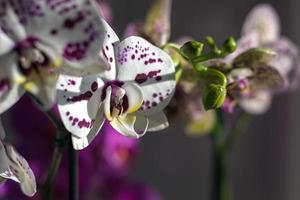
[
  {"x": 229, "y": 45},
  {"x": 191, "y": 50},
  {"x": 213, "y": 96}
]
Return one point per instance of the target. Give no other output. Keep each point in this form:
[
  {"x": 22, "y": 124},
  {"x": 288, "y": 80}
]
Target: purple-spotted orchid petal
[
  {"x": 13, "y": 166},
  {"x": 264, "y": 21},
  {"x": 72, "y": 27},
  {"x": 138, "y": 84},
  {"x": 80, "y": 107},
  {"x": 148, "y": 66},
  {"x": 45, "y": 35}
]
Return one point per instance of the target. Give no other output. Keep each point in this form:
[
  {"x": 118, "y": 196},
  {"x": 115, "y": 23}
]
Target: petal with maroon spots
[
  {"x": 151, "y": 68},
  {"x": 10, "y": 90},
  {"x": 83, "y": 142},
  {"x": 79, "y": 102},
  {"x": 73, "y": 27},
  {"x": 110, "y": 39}
]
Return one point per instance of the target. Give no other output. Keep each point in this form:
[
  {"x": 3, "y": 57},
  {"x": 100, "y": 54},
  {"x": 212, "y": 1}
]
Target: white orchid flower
[
  {"x": 13, "y": 166},
  {"x": 38, "y": 36},
  {"x": 130, "y": 95}
]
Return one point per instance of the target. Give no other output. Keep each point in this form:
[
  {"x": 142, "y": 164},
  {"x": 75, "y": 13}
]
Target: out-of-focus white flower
[{"x": 13, "y": 166}]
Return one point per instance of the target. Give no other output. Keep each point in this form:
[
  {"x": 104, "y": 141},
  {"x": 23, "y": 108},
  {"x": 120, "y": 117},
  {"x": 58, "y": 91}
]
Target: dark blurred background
[{"x": 265, "y": 163}]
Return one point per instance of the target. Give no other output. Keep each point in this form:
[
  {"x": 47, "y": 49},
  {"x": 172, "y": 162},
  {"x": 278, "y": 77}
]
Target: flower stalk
[
  {"x": 220, "y": 189},
  {"x": 73, "y": 172}
]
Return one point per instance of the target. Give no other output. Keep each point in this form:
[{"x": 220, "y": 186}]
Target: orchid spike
[
  {"x": 130, "y": 95},
  {"x": 13, "y": 166},
  {"x": 37, "y": 37}
]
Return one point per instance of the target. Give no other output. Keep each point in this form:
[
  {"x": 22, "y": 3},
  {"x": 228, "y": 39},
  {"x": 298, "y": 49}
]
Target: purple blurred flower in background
[{"x": 135, "y": 191}]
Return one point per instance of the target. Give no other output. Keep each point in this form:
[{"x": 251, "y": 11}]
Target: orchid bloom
[
  {"x": 252, "y": 87},
  {"x": 13, "y": 166},
  {"x": 37, "y": 37},
  {"x": 156, "y": 27},
  {"x": 131, "y": 94}
]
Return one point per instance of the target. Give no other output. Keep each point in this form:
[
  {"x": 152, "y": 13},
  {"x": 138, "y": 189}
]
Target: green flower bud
[
  {"x": 229, "y": 45},
  {"x": 213, "y": 96},
  {"x": 214, "y": 76},
  {"x": 191, "y": 50}
]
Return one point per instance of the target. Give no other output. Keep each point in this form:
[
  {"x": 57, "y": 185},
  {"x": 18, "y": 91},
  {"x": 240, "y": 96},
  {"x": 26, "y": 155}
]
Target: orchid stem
[
  {"x": 73, "y": 173},
  {"x": 61, "y": 139},
  {"x": 59, "y": 145},
  {"x": 220, "y": 189},
  {"x": 240, "y": 126}
]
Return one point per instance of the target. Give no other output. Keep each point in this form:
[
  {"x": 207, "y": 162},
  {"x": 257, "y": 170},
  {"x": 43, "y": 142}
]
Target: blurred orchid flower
[
  {"x": 37, "y": 37},
  {"x": 13, "y": 166},
  {"x": 264, "y": 63},
  {"x": 105, "y": 9},
  {"x": 130, "y": 95},
  {"x": 156, "y": 27}
]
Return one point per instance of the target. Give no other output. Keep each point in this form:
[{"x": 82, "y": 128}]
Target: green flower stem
[
  {"x": 59, "y": 145},
  {"x": 47, "y": 187},
  {"x": 220, "y": 189},
  {"x": 61, "y": 141},
  {"x": 170, "y": 45},
  {"x": 240, "y": 126},
  {"x": 73, "y": 173}
]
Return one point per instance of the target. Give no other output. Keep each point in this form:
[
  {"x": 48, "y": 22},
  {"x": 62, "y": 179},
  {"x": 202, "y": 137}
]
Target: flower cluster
[
  {"x": 264, "y": 63},
  {"x": 69, "y": 61},
  {"x": 66, "y": 53}
]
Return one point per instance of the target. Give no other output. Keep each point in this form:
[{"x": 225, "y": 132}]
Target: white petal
[
  {"x": 79, "y": 102},
  {"x": 83, "y": 142},
  {"x": 3, "y": 159},
  {"x": 263, "y": 20},
  {"x": 110, "y": 39},
  {"x": 2, "y": 132},
  {"x": 10, "y": 90},
  {"x": 21, "y": 170},
  {"x": 107, "y": 103},
  {"x": 125, "y": 125},
  {"x": 13, "y": 19},
  {"x": 151, "y": 68},
  {"x": 257, "y": 104},
  {"x": 158, "y": 121},
  {"x": 287, "y": 55},
  {"x": 73, "y": 27},
  {"x": 6, "y": 43},
  {"x": 134, "y": 96}
]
